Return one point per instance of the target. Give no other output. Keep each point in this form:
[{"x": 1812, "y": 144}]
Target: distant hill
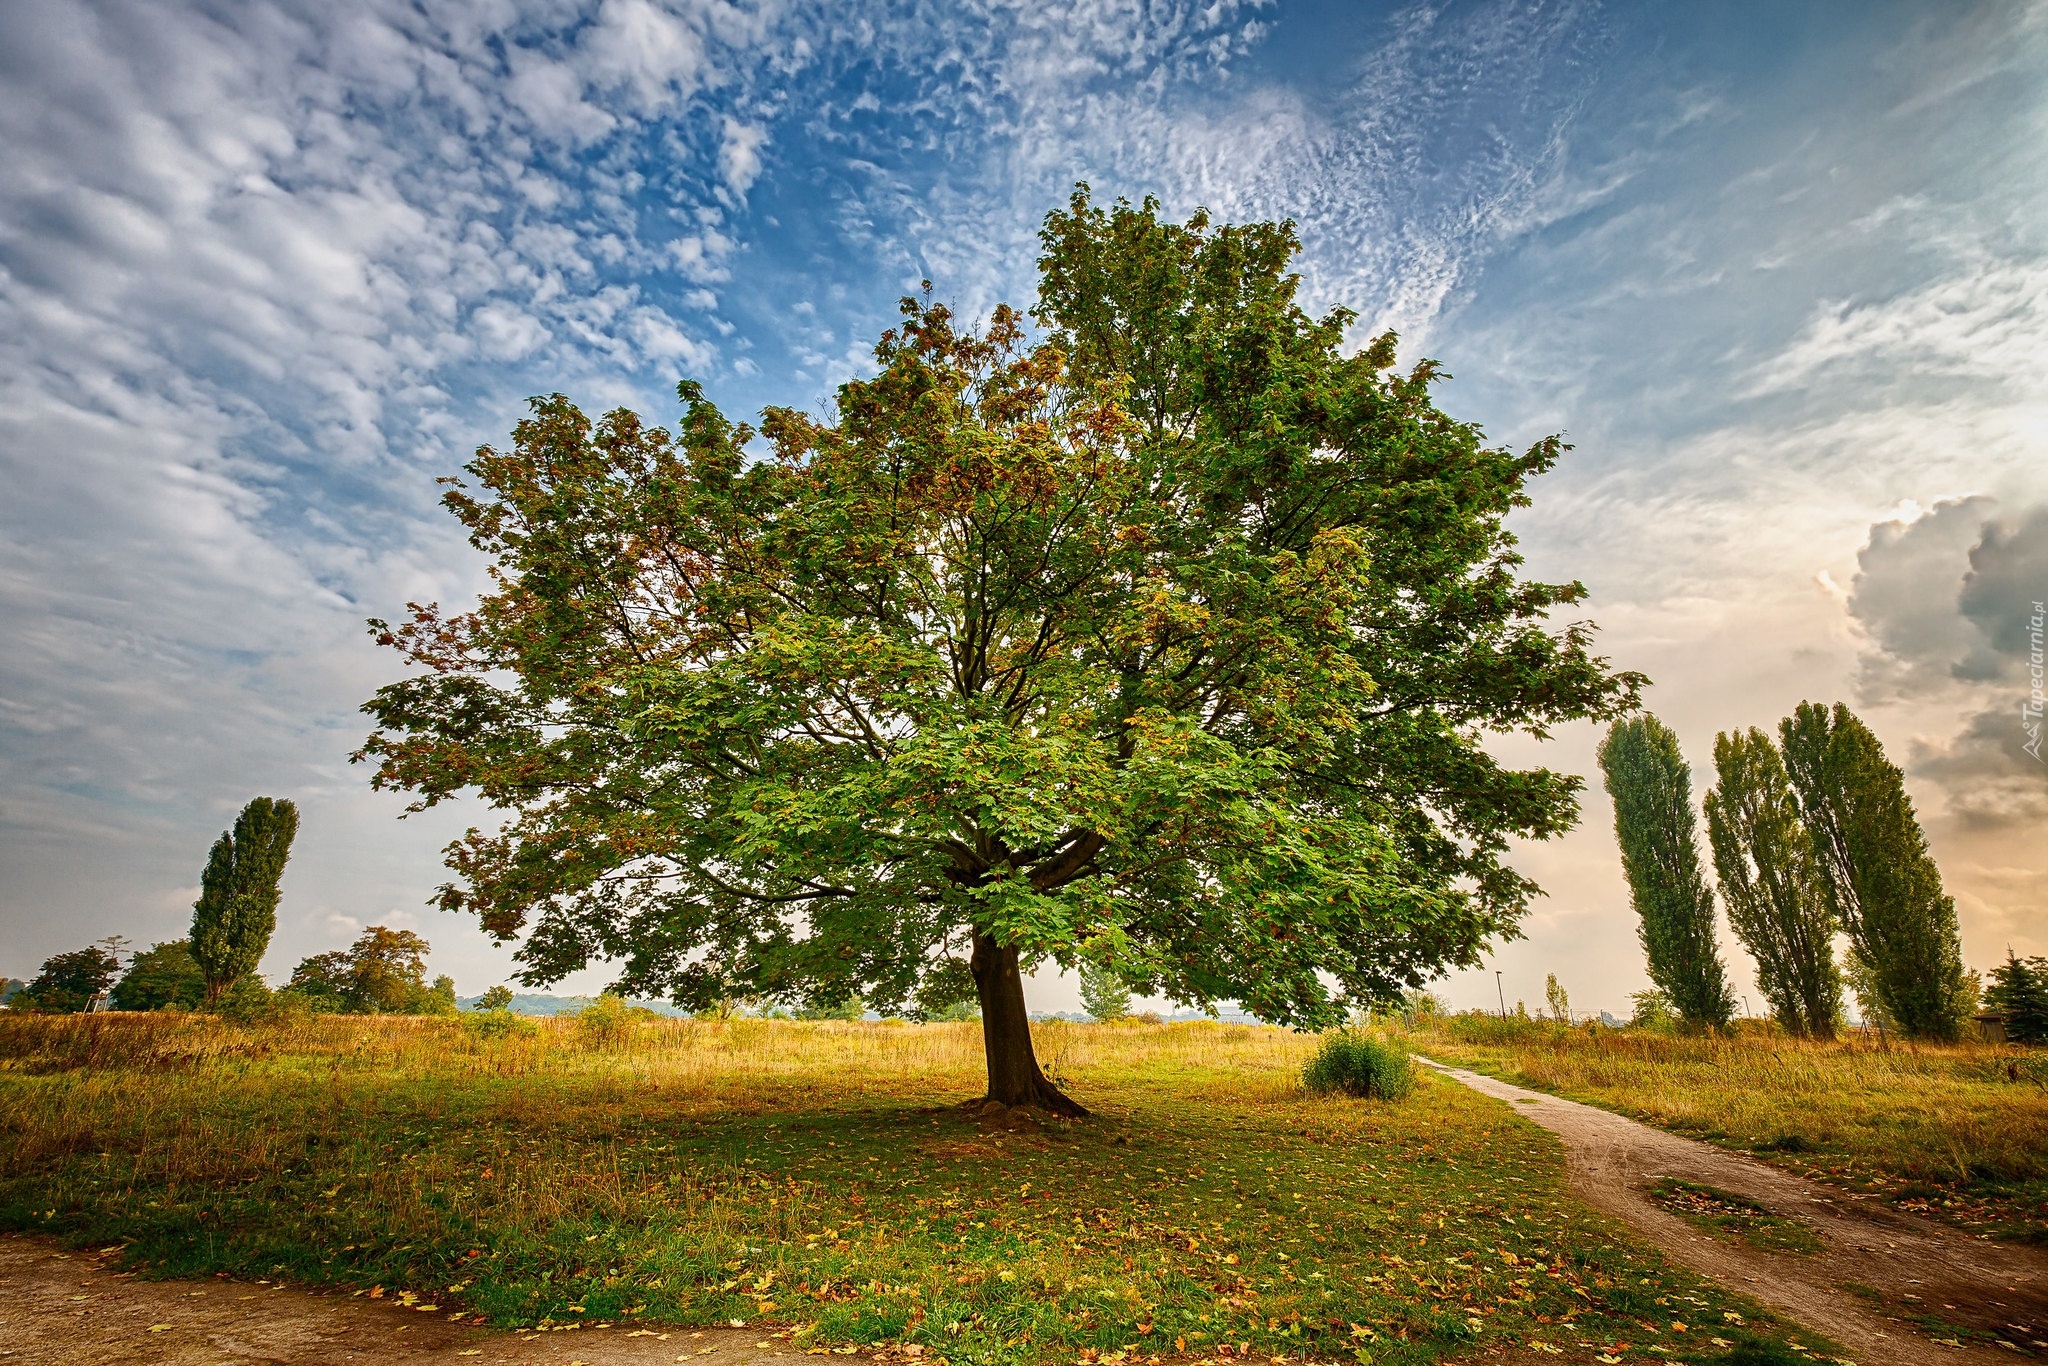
[{"x": 564, "y": 1005}]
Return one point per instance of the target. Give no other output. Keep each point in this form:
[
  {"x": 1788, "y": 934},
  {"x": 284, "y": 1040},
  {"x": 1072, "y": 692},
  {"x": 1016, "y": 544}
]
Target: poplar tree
[
  {"x": 1875, "y": 872},
  {"x": 237, "y": 908},
  {"x": 1651, "y": 785},
  {"x": 1765, "y": 864}
]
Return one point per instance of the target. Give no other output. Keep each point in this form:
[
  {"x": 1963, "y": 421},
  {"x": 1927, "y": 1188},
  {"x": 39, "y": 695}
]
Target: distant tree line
[
  {"x": 1811, "y": 835},
  {"x": 214, "y": 967}
]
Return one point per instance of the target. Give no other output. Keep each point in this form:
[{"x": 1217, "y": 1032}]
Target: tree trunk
[{"x": 1013, "y": 1075}]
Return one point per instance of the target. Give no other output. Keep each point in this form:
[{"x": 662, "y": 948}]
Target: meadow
[
  {"x": 824, "y": 1180},
  {"x": 1958, "y": 1131}
]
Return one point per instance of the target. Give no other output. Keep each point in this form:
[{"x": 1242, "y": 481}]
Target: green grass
[
  {"x": 1726, "y": 1215},
  {"x": 1959, "y": 1132},
  {"x": 823, "y": 1178}
]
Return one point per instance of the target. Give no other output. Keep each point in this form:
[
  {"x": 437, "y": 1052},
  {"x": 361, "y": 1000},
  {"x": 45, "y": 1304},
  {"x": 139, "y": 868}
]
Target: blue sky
[{"x": 267, "y": 269}]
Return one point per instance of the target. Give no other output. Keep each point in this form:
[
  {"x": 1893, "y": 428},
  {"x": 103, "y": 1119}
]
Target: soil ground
[
  {"x": 61, "y": 1308},
  {"x": 1888, "y": 1287},
  {"x": 72, "y": 1309}
]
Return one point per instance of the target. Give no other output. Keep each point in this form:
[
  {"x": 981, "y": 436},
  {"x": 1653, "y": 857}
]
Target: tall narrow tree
[
  {"x": 1651, "y": 785},
  {"x": 1764, "y": 861},
  {"x": 1875, "y": 871},
  {"x": 237, "y": 907}
]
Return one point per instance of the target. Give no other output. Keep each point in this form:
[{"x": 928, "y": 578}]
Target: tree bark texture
[{"x": 1013, "y": 1075}]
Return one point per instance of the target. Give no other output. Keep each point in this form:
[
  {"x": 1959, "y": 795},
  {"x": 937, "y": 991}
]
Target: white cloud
[
  {"x": 739, "y": 154},
  {"x": 503, "y": 332},
  {"x": 1982, "y": 319}
]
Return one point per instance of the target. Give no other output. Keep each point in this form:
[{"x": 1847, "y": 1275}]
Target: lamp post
[{"x": 1501, "y": 993}]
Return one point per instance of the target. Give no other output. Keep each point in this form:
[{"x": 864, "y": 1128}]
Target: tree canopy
[
  {"x": 1765, "y": 864},
  {"x": 238, "y": 893},
  {"x": 1167, "y": 637},
  {"x": 383, "y": 973},
  {"x": 164, "y": 975},
  {"x": 1881, "y": 884},
  {"x": 1653, "y": 820},
  {"x": 68, "y": 982}
]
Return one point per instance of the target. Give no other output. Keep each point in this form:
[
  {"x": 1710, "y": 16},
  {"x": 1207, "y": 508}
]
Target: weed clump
[
  {"x": 497, "y": 1024},
  {"x": 1358, "y": 1065},
  {"x": 609, "y": 1022}
]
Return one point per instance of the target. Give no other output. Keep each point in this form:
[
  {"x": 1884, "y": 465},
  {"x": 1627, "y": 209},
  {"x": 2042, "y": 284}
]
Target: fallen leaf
[{"x": 160, "y": 1328}]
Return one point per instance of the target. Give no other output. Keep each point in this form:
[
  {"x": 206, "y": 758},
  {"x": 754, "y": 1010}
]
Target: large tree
[
  {"x": 238, "y": 892},
  {"x": 68, "y": 982},
  {"x": 383, "y": 973},
  {"x": 1880, "y": 882},
  {"x": 165, "y": 975},
  {"x": 1651, "y": 785},
  {"x": 1764, "y": 861},
  {"x": 1167, "y": 639}
]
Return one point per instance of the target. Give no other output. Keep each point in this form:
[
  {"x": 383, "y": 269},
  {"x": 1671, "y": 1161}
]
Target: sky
[{"x": 269, "y": 268}]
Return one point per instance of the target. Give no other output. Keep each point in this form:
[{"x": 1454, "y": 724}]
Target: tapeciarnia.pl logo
[{"x": 2030, "y": 710}]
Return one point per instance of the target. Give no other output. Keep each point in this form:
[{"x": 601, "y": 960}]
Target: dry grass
[
  {"x": 823, "y": 1176},
  {"x": 1959, "y": 1130}
]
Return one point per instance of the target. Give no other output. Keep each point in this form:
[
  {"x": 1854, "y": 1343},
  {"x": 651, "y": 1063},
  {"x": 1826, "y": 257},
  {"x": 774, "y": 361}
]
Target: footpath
[{"x": 1883, "y": 1284}]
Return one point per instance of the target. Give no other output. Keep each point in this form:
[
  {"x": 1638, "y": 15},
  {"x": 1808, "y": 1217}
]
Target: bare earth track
[
  {"x": 1902, "y": 1269},
  {"x": 71, "y": 1309}
]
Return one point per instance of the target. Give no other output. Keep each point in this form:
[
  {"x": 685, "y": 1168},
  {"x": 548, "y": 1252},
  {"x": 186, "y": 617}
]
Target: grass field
[
  {"x": 1960, "y": 1131},
  {"x": 824, "y": 1178}
]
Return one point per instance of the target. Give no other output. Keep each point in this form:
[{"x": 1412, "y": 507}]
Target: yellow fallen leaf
[
  {"x": 160, "y": 1328},
  {"x": 470, "y": 1352}
]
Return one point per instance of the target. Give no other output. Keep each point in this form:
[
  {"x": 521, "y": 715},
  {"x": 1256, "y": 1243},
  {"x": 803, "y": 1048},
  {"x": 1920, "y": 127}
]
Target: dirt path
[
  {"x": 71, "y": 1308},
  {"x": 1907, "y": 1268},
  {"x": 74, "y": 1309}
]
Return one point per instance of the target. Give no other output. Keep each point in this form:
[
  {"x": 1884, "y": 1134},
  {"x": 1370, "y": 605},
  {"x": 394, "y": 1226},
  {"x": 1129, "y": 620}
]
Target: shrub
[
  {"x": 1358, "y": 1065},
  {"x": 248, "y": 1000},
  {"x": 1652, "y": 1011},
  {"x": 608, "y": 1021},
  {"x": 497, "y": 1023}
]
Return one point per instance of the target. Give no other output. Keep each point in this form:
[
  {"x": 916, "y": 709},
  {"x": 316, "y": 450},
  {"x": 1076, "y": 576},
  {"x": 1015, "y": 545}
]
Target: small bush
[
  {"x": 496, "y": 1024},
  {"x": 1652, "y": 1011},
  {"x": 249, "y": 1001},
  {"x": 609, "y": 1021},
  {"x": 1358, "y": 1065}
]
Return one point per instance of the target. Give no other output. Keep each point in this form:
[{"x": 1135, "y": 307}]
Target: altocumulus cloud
[{"x": 268, "y": 268}]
